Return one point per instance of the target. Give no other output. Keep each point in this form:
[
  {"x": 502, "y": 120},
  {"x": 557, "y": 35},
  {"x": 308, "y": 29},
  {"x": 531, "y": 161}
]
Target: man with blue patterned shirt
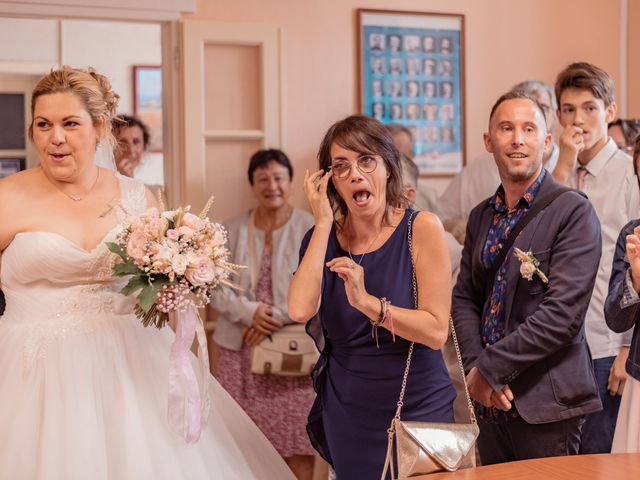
[{"x": 521, "y": 330}]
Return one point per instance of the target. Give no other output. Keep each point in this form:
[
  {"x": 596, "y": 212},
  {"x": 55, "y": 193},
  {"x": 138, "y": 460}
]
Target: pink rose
[
  {"x": 157, "y": 225},
  {"x": 200, "y": 272},
  {"x": 193, "y": 221},
  {"x": 154, "y": 248},
  {"x": 172, "y": 234},
  {"x": 137, "y": 245}
]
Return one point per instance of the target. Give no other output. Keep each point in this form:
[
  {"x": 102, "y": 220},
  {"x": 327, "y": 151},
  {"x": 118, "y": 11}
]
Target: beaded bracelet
[{"x": 385, "y": 314}]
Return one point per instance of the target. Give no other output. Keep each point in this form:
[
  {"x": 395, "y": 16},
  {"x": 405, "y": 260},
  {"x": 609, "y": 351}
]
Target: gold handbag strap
[
  {"x": 391, "y": 431},
  {"x": 472, "y": 413},
  {"x": 410, "y": 354}
]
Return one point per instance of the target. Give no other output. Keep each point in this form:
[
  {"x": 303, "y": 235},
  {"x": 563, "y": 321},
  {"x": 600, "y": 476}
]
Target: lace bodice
[{"x": 54, "y": 287}]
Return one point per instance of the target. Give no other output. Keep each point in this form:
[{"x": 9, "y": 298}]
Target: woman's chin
[
  {"x": 59, "y": 171},
  {"x": 272, "y": 204}
]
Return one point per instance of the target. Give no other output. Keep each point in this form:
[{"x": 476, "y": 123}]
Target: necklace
[
  {"x": 76, "y": 198},
  {"x": 366, "y": 250}
]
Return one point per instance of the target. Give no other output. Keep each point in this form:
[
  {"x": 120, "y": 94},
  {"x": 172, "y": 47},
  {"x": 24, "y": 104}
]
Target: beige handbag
[
  {"x": 428, "y": 447},
  {"x": 288, "y": 352}
]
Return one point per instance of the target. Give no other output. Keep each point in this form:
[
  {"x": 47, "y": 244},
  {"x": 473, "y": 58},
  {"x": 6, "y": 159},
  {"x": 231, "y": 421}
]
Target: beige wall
[
  {"x": 506, "y": 41},
  {"x": 633, "y": 59}
]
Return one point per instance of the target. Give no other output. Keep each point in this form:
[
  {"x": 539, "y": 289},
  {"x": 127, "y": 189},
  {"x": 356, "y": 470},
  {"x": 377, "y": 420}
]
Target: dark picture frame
[
  {"x": 411, "y": 71},
  {"x": 9, "y": 166}
]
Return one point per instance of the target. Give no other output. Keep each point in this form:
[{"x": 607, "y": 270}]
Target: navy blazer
[{"x": 544, "y": 356}]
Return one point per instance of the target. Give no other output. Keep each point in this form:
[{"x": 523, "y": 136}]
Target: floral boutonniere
[{"x": 529, "y": 265}]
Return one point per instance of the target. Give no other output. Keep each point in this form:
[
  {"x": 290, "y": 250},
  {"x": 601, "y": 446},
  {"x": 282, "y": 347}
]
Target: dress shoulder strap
[{"x": 133, "y": 199}]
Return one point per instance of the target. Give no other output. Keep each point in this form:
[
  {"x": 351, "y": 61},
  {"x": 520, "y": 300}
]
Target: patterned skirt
[{"x": 278, "y": 405}]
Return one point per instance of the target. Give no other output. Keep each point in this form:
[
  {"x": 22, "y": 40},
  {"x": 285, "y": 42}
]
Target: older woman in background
[{"x": 266, "y": 239}]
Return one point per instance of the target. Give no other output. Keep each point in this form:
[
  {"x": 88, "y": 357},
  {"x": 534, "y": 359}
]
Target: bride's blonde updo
[{"x": 93, "y": 89}]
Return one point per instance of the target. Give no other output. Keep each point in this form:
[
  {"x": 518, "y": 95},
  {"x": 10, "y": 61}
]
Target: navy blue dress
[{"x": 357, "y": 384}]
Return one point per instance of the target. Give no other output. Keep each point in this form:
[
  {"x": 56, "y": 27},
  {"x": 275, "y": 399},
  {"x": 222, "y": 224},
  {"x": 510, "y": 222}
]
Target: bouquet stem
[{"x": 152, "y": 317}]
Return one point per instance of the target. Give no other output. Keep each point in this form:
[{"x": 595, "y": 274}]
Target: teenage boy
[{"x": 590, "y": 161}]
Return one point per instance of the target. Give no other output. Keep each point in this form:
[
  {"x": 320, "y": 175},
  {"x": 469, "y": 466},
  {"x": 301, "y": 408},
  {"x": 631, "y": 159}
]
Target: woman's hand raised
[
  {"x": 353, "y": 276},
  {"x": 315, "y": 188}
]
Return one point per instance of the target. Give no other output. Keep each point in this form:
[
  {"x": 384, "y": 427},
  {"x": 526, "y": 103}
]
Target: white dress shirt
[{"x": 612, "y": 188}]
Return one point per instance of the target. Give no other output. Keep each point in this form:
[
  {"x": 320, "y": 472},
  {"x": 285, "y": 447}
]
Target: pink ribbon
[{"x": 189, "y": 402}]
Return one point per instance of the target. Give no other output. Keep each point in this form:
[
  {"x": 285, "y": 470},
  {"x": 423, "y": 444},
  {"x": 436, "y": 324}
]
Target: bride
[{"x": 83, "y": 390}]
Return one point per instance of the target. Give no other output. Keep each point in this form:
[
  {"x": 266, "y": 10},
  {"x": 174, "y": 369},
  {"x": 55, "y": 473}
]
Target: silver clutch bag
[{"x": 425, "y": 447}]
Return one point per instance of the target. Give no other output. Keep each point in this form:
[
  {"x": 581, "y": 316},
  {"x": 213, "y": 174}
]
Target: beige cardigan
[{"x": 236, "y": 308}]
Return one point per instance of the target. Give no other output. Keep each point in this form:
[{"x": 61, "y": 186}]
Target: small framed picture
[
  {"x": 419, "y": 58},
  {"x": 9, "y": 166},
  {"x": 147, "y": 101}
]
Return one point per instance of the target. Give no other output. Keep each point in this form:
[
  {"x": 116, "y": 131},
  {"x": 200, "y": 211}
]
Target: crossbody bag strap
[
  {"x": 524, "y": 221},
  {"x": 472, "y": 412},
  {"x": 388, "y": 464}
]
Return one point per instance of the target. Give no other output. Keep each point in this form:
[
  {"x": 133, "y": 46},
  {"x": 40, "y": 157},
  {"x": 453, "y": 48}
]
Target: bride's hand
[{"x": 315, "y": 188}]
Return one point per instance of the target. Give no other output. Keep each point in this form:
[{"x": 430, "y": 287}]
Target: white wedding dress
[{"x": 83, "y": 386}]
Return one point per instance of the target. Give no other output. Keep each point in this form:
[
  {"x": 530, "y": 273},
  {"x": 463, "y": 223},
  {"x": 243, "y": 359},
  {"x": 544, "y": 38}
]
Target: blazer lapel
[
  {"x": 483, "y": 229},
  {"x": 523, "y": 242}
]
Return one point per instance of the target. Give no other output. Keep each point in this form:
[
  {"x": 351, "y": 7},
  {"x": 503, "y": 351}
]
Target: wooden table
[{"x": 621, "y": 466}]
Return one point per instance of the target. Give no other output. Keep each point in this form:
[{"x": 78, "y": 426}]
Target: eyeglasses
[{"x": 364, "y": 163}]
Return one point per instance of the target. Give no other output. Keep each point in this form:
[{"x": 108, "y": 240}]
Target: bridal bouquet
[{"x": 176, "y": 260}]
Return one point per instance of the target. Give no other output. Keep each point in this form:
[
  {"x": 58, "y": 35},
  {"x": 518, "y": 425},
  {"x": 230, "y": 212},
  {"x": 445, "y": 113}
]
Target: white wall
[
  {"x": 112, "y": 48},
  {"x": 34, "y": 46}
]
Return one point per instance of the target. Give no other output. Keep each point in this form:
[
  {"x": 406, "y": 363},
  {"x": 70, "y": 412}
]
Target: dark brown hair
[
  {"x": 585, "y": 76},
  {"x": 630, "y": 129},
  {"x": 128, "y": 121},
  {"x": 363, "y": 135}
]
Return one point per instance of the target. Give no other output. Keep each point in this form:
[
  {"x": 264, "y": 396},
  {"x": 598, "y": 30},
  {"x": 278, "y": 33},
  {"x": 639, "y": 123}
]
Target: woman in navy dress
[{"x": 355, "y": 273}]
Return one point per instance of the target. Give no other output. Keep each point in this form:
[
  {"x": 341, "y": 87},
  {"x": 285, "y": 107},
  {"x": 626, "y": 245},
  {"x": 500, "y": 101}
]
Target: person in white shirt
[
  {"x": 592, "y": 162},
  {"x": 133, "y": 138},
  {"x": 479, "y": 179}
]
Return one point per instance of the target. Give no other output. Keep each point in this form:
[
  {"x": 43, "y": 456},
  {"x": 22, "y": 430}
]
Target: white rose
[
  {"x": 179, "y": 264},
  {"x": 164, "y": 253}
]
